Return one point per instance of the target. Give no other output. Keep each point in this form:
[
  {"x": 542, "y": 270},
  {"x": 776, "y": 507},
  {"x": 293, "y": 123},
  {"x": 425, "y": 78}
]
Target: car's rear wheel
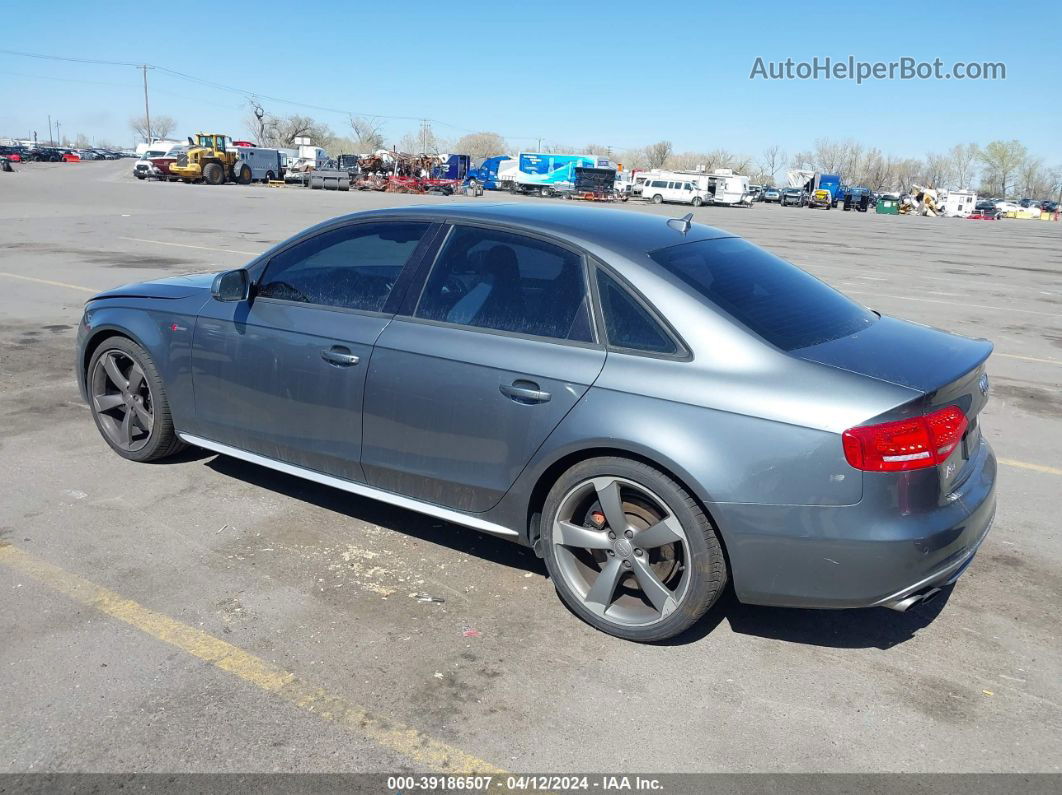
[
  {"x": 129, "y": 403},
  {"x": 630, "y": 551}
]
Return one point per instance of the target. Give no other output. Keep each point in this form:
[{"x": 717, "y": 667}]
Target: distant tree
[
  {"x": 258, "y": 122},
  {"x": 771, "y": 163},
  {"x": 687, "y": 161},
  {"x": 81, "y": 141},
  {"x": 368, "y": 135},
  {"x": 907, "y": 172},
  {"x": 161, "y": 127},
  {"x": 656, "y": 155},
  {"x": 283, "y": 131},
  {"x": 1003, "y": 159},
  {"x": 937, "y": 171},
  {"x": 481, "y": 145},
  {"x": 963, "y": 157}
]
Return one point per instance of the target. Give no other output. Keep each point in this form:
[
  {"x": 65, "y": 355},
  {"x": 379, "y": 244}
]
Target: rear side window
[
  {"x": 499, "y": 280},
  {"x": 627, "y": 323},
  {"x": 781, "y": 303},
  {"x": 353, "y": 267}
]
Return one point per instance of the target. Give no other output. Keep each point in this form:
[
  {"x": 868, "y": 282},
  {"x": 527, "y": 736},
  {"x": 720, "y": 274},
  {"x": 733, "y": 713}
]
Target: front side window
[
  {"x": 353, "y": 267},
  {"x": 508, "y": 282},
  {"x": 627, "y": 323},
  {"x": 784, "y": 305}
]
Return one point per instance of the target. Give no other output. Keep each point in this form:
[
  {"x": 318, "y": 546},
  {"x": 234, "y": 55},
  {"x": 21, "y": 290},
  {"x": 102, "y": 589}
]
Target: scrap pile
[
  {"x": 922, "y": 201},
  {"x": 396, "y": 172}
]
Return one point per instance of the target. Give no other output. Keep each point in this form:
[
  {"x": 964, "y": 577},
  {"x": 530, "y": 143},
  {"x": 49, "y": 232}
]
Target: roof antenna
[{"x": 682, "y": 224}]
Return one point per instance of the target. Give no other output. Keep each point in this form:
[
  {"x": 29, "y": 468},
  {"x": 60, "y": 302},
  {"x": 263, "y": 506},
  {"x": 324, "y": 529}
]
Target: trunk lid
[
  {"x": 903, "y": 353},
  {"x": 949, "y": 370}
]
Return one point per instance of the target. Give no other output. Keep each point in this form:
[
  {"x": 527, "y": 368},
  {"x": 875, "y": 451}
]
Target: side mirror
[{"x": 231, "y": 286}]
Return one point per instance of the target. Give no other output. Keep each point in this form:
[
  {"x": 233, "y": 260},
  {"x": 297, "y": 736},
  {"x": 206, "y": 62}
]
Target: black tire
[
  {"x": 697, "y": 565},
  {"x": 697, "y": 201},
  {"x": 154, "y": 444},
  {"x": 213, "y": 174},
  {"x": 658, "y": 199},
  {"x": 245, "y": 176},
  {"x": 269, "y": 177}
]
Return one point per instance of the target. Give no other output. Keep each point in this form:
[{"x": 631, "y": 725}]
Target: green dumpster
[{"x": 887, "y": 206}]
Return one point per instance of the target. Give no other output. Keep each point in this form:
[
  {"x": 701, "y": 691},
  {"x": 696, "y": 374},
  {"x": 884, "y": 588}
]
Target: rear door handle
[
  {"x": 524, "y": 392},
  {"x": 339, "y": 356}
]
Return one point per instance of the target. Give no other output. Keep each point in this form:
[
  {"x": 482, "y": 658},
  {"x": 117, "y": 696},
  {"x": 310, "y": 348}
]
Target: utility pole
[
  {"x": 147, "y": 112},
  {"x": 59, "y": 139},
  {"x": 50, "y": 129}
]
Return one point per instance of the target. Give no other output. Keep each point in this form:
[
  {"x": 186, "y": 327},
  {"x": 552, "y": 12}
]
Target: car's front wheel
[
  {"x": 630, "y": 551},
  {"x": 129, "y": 403}
]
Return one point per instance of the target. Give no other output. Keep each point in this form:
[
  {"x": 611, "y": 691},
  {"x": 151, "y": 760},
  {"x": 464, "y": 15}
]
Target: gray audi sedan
[{"x": 654, "y": 406}]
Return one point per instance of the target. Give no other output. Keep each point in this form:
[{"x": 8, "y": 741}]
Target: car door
[
  {"x": 283, "y": 374},
  {"x": 464, "y": 389}
]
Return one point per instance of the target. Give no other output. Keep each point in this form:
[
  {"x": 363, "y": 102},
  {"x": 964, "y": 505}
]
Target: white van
[{"x": 659, "y": 189}]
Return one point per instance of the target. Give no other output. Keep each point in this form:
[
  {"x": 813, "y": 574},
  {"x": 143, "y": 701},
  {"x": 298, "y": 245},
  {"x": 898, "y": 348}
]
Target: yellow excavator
[{"x": 209, "y": 160}]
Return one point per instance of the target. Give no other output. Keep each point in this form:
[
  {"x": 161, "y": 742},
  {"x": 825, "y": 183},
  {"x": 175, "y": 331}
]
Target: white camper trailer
[{"x": 958, "y": 203}]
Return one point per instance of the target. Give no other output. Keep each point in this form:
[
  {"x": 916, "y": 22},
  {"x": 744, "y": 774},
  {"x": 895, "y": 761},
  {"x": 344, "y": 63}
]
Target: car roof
[{"x": 623, "y": 231}]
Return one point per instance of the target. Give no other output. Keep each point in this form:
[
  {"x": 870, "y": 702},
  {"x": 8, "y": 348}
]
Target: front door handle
[
  {"x": 339, "y": 356},
  {"x": 524, "y": 392}
]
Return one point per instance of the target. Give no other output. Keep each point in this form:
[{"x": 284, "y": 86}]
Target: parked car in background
[
  {"x": 658, "y": 191},
  {"x": 70, "y": 156},
  {"x": 15, "y": 154},
  {"x": 771, "y": 194},
  {"x": 1049, "y": 206},
  {"x": 1007, "y": 206},
  {"x": 160, "y": 166},
  {"x": 794, "y": 197},
  {"x": 44, "y": 154},
  {"x": 704, "y": 396},
  {"x": 144, "y": 168}
]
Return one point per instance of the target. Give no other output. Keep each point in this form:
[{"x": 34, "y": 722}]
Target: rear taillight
[{"x": 916, "y": 443}]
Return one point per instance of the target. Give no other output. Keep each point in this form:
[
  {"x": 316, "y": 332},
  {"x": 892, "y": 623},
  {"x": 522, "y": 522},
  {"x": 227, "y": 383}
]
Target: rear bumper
[{"x": 892, "y": 549}]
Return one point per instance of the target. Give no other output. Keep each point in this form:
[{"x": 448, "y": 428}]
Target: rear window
[{"x": 781, "y": 303}]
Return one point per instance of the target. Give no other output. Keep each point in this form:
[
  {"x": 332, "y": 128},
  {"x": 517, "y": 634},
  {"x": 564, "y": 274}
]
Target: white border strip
[{"x": 360, "y": 489}]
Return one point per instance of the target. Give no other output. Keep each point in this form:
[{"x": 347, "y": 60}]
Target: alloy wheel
[
  {"x": 622, "y": 551},
  {"x": 122, "y": 400}
]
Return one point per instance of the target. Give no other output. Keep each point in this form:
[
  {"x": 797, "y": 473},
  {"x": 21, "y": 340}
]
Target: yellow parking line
[
  {"x": 189, "y": 245},
  {"x": 264, "y": 675},
  {"x": 1029, "y": 358},
  {"x": 50, "y": 282},
  {"x": 1010, "y": 462}
]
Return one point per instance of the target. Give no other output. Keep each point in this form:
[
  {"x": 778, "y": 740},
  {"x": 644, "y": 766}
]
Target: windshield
[{"x": 784, "y": 305}]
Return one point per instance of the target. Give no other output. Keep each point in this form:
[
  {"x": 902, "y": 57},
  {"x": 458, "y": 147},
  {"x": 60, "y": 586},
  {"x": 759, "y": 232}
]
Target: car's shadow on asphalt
[
  {"x": 410, "y": 523},
  {"x": 877, "y": 628},
  {"x": 845, "y": 629}
]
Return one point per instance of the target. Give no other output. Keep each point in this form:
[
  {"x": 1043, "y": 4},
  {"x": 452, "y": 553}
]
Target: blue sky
[{"x": 617, "y": 73}]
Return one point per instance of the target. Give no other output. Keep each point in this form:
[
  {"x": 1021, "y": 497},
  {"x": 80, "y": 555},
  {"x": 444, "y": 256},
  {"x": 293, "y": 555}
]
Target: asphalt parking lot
[{"x": 207, "y": 615}]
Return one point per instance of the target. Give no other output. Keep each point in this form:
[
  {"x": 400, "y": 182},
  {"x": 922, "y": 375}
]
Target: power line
[{"x": 254, "y": 95}]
